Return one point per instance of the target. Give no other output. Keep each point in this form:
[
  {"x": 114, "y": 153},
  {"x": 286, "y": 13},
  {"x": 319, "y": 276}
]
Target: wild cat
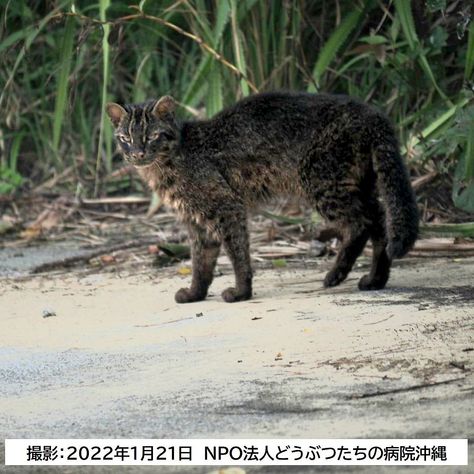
[{"x": 340, "y": 154}]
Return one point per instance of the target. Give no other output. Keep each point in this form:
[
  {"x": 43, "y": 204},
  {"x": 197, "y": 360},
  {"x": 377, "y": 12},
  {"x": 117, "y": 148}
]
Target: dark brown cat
[{"x": 339, "y": 153}]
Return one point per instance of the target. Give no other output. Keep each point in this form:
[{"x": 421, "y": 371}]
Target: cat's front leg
[
  {"x": 235, "y": 238},
  {"x": 204, "y": 252}
]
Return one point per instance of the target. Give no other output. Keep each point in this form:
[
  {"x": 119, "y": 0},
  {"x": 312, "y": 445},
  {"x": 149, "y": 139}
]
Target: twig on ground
[
  {"x": 419, "y": 182},
  {"x": 103, "y": 249},
  {"x": 116, "y": 200}
]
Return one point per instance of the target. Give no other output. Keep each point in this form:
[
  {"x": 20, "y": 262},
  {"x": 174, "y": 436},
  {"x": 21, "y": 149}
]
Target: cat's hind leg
[
  {"x": 380, "y": 269},
  {"x": 330, "y": 179},
  {"x": 343, "y": 209},
  {"x": 204, "y": 252},
  {"x": 354, "y": 238}
]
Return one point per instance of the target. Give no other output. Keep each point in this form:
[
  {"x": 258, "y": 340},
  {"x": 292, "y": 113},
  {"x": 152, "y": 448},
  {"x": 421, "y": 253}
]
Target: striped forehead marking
[{"x": 138, "y": 123}]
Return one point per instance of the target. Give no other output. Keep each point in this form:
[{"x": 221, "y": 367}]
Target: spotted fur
[{"x": 339, "y": 153}]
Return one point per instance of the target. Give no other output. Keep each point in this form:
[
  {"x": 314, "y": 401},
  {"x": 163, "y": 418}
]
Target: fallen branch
[
  {"x": 419, "y": 182},
  {"x": 68, "y": 262},
  {"x": 116, "y": 200}
]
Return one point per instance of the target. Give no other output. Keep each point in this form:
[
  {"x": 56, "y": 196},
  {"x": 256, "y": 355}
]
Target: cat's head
[{"x": 146, "y": 133}]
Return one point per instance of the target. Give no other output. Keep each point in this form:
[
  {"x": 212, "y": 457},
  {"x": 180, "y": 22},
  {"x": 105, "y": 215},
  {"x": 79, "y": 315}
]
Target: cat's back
[{"x": 294, "y": 108}]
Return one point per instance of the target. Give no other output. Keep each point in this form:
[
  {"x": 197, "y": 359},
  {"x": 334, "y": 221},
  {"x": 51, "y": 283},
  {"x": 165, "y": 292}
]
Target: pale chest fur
[{"x": 171, "y": 192}]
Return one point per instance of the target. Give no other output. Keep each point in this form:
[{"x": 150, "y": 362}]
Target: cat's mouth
[{"x": 140, "y": 162}]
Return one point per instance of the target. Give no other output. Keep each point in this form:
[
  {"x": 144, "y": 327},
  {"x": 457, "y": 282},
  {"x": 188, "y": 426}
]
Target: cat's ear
[
  {"x": 164, "y": 106},
  {"x": 116, "y": 113}
]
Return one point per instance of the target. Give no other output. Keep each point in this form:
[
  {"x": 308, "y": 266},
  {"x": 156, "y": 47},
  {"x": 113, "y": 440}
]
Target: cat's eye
[{"x": 124, "y": 138}]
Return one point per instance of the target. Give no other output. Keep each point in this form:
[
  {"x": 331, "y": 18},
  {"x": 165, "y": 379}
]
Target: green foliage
[
  {"x": 463, "y": 190},
  {"x": 10, "y": 180},
  {"x": 279, "y": 263},
  {"x": 62, "y": 60},
  {"x": 335, "y": 42},
  {"x": 104, "y": 126},
  {"x": 470, "y": 54},
  {"x": 435, "y": 5},
  {"x": 466, "y": 229},
  {"x": 65, "y": 61}
]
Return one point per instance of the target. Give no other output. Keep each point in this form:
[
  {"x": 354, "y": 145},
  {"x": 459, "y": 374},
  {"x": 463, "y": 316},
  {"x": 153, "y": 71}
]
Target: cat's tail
[{"x": 394, "y": 187}]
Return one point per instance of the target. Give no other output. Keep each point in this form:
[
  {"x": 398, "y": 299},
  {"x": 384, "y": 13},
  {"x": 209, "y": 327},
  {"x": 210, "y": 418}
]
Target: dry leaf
[
  {"x": 30, "y": 233},
  {"x": 107, "y": 259},
  {"x": 5, "y": 226},
  {"x": 47, "y": 220},
  {"x": 184, "y": 271}
]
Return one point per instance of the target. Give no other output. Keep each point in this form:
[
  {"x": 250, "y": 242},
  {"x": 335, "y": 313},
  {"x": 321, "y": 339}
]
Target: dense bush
[{"x": 62, "y": 60}]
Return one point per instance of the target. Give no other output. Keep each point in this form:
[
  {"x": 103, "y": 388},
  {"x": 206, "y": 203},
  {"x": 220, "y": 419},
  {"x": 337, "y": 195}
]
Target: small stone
[
  {"x": 48, "y": 313},
  {"x": 317, "y": 248}
]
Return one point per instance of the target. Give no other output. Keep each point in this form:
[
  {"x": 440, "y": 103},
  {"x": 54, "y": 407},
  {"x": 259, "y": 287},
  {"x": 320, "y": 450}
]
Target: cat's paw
[
  {"x": 334, "y": 277},
  {"x": 230, "y": 295},
  {"x": 185, "y": 295},
  {"x": 366, "y": 283}
]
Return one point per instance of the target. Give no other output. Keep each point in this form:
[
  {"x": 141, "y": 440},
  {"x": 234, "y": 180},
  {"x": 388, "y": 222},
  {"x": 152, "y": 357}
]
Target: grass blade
[
  {"x": 431, "y": 129},
  {"x": 66, "y": 51},
  {"x": 466, "y": 229},
  {"x": 34, "y": 32},
  {"x": 238, "y": 50},
  {"x": 470, "y": 53},
  {"x": 204, "y": 69},
  {"x": 333, "y": 45},
  {"x": 214, "y": 101},
  {"x": 103, "y": 4},
  {"x": 405, "y": 15}
]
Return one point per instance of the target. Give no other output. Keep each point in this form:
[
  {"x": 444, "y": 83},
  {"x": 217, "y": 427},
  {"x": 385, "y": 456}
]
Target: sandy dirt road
[{"x": 120, "y": 359}]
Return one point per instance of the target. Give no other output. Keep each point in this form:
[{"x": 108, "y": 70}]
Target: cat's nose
[{"x": 138, "y": 155}]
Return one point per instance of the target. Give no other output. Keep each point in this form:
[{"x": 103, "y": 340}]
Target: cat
[{"x": 339, "y": 153}]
